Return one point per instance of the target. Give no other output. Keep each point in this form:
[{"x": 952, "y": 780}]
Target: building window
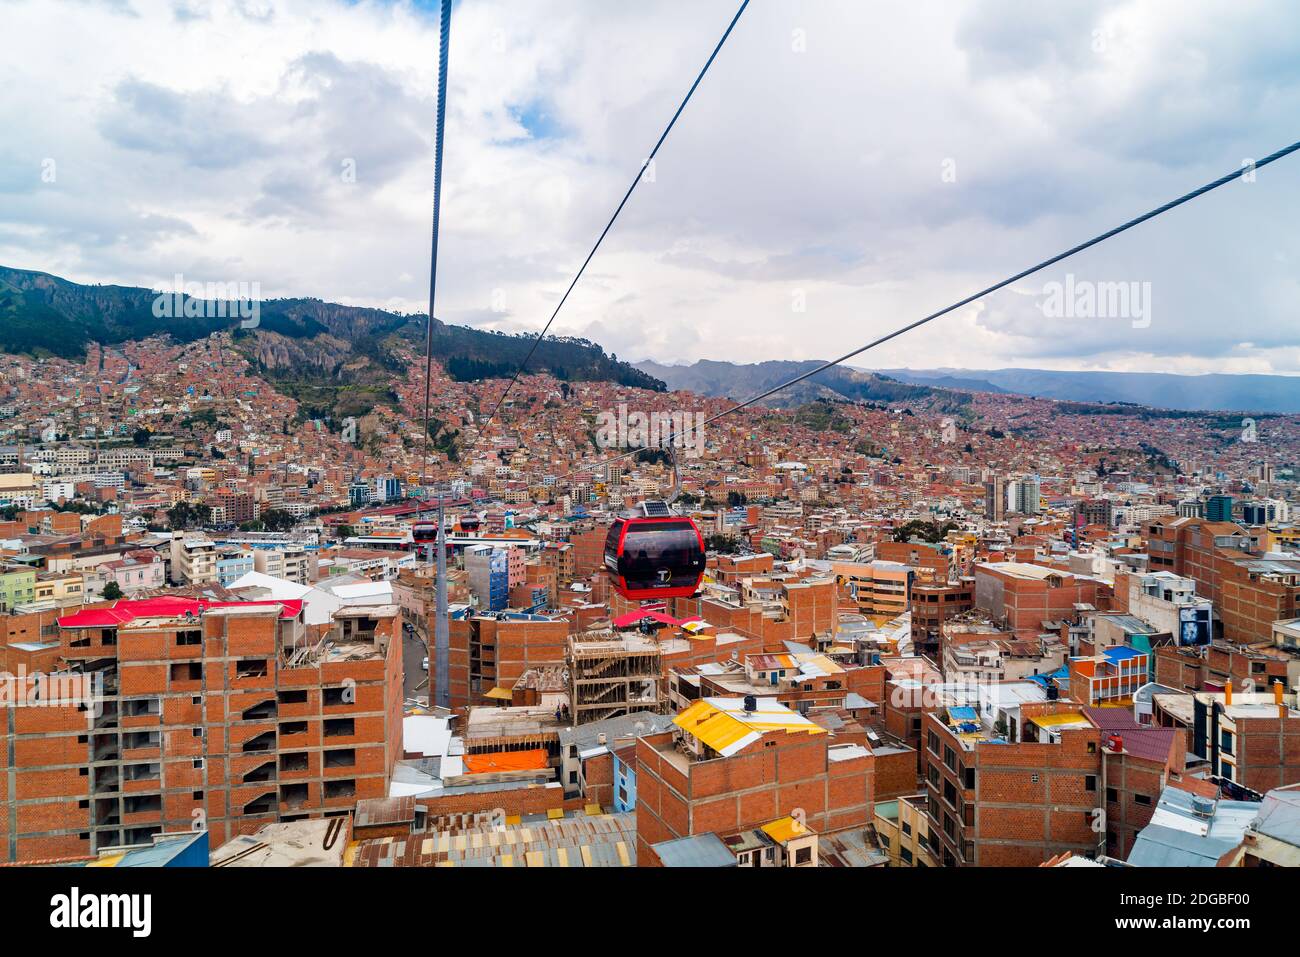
[
  {"x": 339, "y": 727},
  {"x": 1090, "y": 782},
  {"x": 1143, "y": 799},
  {"x": 251, "y": 668},
  {"x": 341, "y": 758},
  {"x": 340, "y": 789},
  {"x": 803, "y": 855}
]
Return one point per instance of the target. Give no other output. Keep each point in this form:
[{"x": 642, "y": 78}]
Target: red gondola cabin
[{"x": 660, "y": 557}]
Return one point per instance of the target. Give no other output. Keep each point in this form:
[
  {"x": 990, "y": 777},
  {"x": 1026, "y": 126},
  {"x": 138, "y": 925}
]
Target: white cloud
[{"x": 806, "y": 202}]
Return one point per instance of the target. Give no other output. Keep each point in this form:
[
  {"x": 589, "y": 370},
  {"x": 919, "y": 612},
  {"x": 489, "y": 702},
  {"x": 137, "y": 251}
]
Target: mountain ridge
[
  {"x": 716, "y": 378},
  {"x": 305, "y": 347},
  {"x": 1210, "y": 392}
]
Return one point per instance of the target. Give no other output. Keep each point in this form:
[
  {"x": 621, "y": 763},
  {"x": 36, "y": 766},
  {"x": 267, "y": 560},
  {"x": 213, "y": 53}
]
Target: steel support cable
[
  {"x": 608, "y": 226},
  {"x": 1102, "y": 237},
  {"x": 444, "y": 45}
]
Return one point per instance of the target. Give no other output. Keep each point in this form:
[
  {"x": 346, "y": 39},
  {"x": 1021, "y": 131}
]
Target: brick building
[
  {"x": 932, "y": 604},
  {"x": 1023, "y": 596},
  {"x": 1250, "y": 739},
  {"x": 1213, "y": 667},
  {"x": 229, "y": 714},
  {"x": 1249, "y": 589},
  {"x": 993, "y": 803},
  {"x": 724, "y": 769},
  {"x": 489, "y": 652},
  {"x": 1137, "y": 763}
]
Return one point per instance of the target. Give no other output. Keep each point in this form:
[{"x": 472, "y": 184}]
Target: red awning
[{"x": 632, "y": 617}]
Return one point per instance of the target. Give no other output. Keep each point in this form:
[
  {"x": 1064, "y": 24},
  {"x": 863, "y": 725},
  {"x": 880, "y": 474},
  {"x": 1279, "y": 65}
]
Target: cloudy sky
[{"x": 846, "y": 167}]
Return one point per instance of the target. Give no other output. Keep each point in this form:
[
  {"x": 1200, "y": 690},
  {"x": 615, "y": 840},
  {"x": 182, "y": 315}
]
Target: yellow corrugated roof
[
  {"x": 501, "y": 694},
  {"x": 785, "y": 829},
  {"x": 1056, "y": 720},
  {"x": 723, "y": 724}
]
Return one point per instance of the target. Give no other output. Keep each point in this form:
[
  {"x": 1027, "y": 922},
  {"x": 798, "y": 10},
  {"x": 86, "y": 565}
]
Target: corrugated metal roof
[
  {"x": 724, "y": 725},
  {"x": 786, "y": 829},
  {"x": 1179, "y": 835},
  {"x": 699, "y": 850},
  {"x": 624, "y": 726},
  {"x": 580, "y": 840},
  {"x": 1279, "y": 815}
]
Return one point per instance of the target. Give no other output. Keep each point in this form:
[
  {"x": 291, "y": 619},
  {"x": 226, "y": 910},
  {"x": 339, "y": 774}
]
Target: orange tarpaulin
[{"x": 531, "y": 760}]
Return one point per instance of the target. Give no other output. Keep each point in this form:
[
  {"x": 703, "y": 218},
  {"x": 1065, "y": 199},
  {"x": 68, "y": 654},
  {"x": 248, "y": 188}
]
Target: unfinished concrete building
[
  {"x": 229, "y": 715},
  {"x": 612, "y": 675}
]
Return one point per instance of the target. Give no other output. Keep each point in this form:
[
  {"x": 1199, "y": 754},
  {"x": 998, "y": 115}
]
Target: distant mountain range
[
  {"x": 340, "y": 360},
  {"x": 742, "y": 381},
  {"x": 336, "y": 360},
  {"x": 1214, "y": 392}
]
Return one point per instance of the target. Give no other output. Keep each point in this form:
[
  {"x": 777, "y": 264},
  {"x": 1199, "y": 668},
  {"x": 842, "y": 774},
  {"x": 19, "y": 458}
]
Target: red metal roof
[{"x": 125, "y": 611}]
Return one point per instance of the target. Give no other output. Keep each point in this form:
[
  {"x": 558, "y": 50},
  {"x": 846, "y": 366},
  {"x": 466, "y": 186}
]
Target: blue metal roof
[
  {"x": 1160, "y": 846},
  {"x": 700, "y": 850},
  {"x": 1199, "y": 842}
]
